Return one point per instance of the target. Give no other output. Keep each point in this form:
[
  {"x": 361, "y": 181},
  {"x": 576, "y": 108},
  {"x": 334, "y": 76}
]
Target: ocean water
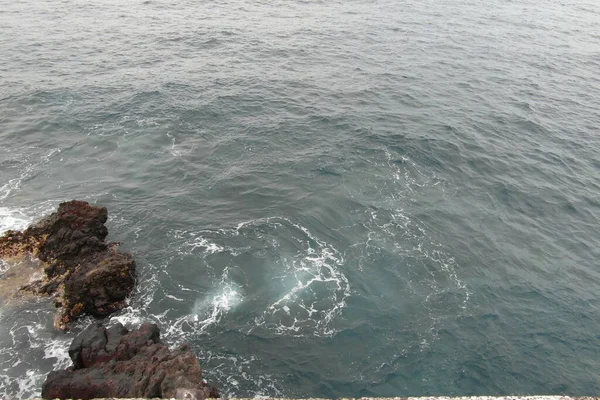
[{"x": 324, "y": 198}]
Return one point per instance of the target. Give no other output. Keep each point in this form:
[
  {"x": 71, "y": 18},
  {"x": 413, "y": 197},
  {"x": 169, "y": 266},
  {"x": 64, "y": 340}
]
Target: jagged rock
[
  {"x": 86, "y": 274},
  {"x": 115, "y": 362}
]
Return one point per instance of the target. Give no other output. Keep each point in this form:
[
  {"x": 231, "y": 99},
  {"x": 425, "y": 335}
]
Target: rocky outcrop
[
  {"x": 86, "y": 274},
  {"x": 115, "y": 362}
]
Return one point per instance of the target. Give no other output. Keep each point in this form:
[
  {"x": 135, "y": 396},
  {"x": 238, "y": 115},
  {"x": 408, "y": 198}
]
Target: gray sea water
[{"x": 324, "y": 198}]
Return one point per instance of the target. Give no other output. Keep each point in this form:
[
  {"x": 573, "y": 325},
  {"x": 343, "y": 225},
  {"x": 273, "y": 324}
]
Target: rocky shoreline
[
  {"x": 116, "y": 362},
  {"x": 85, "y": 275}
]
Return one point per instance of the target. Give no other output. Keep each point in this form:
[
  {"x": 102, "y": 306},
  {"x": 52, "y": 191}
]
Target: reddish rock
[
  {"x": 117, "y": 363},
  {"x": 84, "y": 273}
]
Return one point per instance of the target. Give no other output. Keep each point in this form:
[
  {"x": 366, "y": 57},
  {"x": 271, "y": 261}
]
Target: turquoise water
[{"x": 326, "y": 199}]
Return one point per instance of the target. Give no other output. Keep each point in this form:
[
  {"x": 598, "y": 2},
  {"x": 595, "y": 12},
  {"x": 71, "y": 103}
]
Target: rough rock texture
[
  {"x": 114, "y": 362},
  {"x": 86, "y": 274}
]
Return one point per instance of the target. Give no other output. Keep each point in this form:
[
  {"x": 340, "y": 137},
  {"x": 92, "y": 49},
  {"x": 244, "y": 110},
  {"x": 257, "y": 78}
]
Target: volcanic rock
[
  {"x": 114, "y": 362},
  {"x": 84, "y": 273}
]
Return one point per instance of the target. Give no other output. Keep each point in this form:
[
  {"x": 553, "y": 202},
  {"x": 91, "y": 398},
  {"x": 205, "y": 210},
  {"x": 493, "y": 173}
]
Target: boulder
[
  {"x": 115, "y": 362},
  {"x": 86, "y": 274}
]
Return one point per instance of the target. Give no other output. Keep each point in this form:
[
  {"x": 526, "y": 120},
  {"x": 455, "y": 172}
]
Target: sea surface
[{"x": 324, "y": 198}]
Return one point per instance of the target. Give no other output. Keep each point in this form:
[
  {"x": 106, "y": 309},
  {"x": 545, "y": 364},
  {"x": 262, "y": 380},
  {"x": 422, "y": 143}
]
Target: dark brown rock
[
  {"x": 117, "y": 363},
  {"x": 86, "y": 274}
]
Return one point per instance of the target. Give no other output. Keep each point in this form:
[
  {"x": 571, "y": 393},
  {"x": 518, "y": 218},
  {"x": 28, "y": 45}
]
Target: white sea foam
[
  {"x": 312, "y": 309},
  {"x": 168, "y": 296},
  {"x": 18, "y": 218},
  {"x": 13, "y": 219},
  {"x": 308, "y": 306},
  {"x": 206, "y": 312},
  {"x": 30, "y": 333},
  {"x": 58, "y": 349},
  {"x": 211, "y": 309},
  {"x": 27, "y": 383},
  {"x": 147, "y": 287},
  {"x": 315, "y": 288},
  {"x": 190, "y": 242},
  {"x": 180, "y": 149},
  {"x": 4, "y": 266}
]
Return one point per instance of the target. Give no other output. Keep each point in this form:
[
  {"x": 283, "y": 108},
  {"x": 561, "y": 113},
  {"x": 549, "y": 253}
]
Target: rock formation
[
  {"x": 117, "y": 363},
  {"x": 84, "y": 273},
  {"x": 87, "y": 275}
]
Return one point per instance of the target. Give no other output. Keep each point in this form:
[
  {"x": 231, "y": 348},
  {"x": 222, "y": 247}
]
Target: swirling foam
[
  {"x": 309, "y": 291},
  {"x": 314, "y": 287},
  {"x": 305, "y": 309}
]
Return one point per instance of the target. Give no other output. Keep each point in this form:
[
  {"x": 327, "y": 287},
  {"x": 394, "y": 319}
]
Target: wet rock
[
  {"x": 115, "y": 362},
  {"x": 84, "y": 273}
]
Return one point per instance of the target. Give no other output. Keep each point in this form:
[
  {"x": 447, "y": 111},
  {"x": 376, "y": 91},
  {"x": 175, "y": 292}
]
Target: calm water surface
[{"x": 341, "y": 198}]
